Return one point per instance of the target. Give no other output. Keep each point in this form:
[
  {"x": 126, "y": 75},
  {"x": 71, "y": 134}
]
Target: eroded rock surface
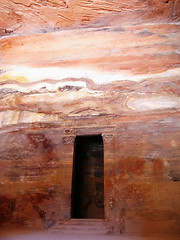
[
  {"x": 19, "y": 16},
  {"x": 102, "y": 67}
]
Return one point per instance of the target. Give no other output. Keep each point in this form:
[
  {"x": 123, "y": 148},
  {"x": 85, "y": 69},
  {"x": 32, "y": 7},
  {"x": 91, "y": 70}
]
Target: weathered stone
[{"x": 75, "y": 68}]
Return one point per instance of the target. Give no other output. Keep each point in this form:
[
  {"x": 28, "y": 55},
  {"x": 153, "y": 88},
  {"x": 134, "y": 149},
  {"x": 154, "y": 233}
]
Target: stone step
[
  {"x": 78, "y": 232},
  {"x": 81, "y": 222},
  {"x": 82, "y": 226}
]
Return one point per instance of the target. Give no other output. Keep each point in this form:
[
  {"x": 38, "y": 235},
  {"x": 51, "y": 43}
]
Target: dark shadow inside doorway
[{"x": 87, "y": 200}]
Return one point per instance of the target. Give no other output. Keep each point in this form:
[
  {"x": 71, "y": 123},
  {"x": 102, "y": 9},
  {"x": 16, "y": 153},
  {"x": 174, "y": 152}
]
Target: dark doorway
[{"x": 88, "y": 178}]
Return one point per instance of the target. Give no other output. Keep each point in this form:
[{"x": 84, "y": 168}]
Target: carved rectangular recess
[{"x": 88, "y": 178}]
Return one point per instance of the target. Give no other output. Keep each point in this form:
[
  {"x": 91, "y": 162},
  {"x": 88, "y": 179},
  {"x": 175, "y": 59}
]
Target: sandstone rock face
[
  {"x": 20, "y": 16},
  {"x": 75, "y": 68}
]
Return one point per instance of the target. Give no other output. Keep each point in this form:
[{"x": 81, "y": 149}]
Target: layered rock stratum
[{"x": 72, "y": 68}]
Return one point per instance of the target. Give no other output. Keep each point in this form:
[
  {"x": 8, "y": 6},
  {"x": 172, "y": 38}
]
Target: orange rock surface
[{"x": 72, "y": 68}]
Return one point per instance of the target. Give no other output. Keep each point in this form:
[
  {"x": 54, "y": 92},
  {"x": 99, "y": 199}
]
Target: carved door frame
[{"x": 108, "y": 136}]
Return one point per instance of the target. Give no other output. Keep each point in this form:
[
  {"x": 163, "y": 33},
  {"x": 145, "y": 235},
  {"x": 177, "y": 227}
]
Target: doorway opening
[{"x": 87, "y": 200}]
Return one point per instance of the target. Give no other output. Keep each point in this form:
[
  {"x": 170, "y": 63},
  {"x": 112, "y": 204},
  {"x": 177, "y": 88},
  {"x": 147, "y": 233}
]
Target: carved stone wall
[
  {"x": 140, "y": 175},
  {"x": 76, "y": 67}
]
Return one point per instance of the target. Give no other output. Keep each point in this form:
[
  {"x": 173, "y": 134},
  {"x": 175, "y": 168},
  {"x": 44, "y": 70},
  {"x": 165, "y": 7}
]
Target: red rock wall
[
  {"x": 141, "y": 174},
  {"x": 111, "y": 68},
  {"x": 20, "y": 16}
]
